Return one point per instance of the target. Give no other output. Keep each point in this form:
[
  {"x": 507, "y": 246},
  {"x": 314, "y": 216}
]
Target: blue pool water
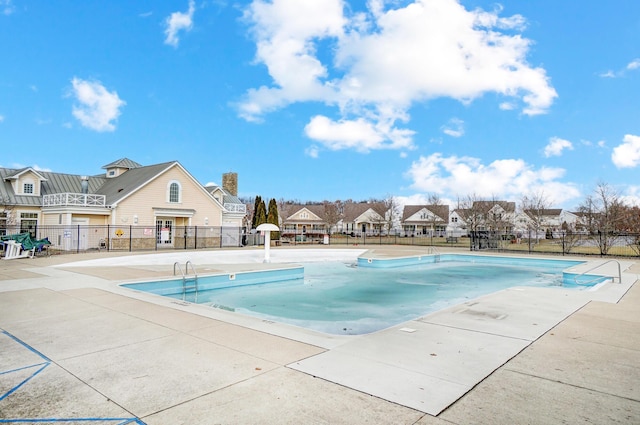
[{"x": 340, "y": 298}]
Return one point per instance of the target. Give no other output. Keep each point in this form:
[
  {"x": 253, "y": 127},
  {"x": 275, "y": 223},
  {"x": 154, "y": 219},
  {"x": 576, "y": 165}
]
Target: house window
[
  {"x": 28, "y": 223},
  {"x": 174, "y": 192},
  {"x": 27, "y": 188},
  {"x": 454, "y": 219},
  {"x": 304, "y": 215},
  {"x": 3, "y": 223}
]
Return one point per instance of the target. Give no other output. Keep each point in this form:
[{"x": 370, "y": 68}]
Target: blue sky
[{"x": 329, "y": 99}]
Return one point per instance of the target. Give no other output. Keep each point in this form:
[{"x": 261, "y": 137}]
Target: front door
[{"x": 164, "y": 232}]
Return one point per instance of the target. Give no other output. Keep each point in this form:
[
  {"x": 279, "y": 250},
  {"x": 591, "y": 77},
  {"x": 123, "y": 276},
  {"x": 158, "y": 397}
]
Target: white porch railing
[
  {"x": 237, "y": 208},
  {"x": 73, "y": 199}
]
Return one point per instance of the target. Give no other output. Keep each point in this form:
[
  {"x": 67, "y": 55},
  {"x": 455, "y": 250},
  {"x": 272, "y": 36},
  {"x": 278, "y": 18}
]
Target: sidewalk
[{"x": 71, "y": 348}]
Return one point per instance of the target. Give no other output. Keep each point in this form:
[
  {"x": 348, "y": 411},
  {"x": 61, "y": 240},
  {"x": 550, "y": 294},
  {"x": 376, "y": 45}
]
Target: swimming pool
[{"x": 348, "y": 299}]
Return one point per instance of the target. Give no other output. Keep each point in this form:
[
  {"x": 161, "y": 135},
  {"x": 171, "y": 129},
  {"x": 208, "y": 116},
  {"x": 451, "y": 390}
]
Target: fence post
[
  {"x": 195, "y": 238},
  {"x": 78, "y": 241},
  {"x": 130, "y": 238}
]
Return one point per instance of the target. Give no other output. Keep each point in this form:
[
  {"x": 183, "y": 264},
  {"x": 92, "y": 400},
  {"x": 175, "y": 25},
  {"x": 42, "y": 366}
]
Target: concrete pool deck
[{"x": 74, "y": 345}]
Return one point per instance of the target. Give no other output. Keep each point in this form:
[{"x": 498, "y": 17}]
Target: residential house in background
[
  {"x": 546, "y": 222},
  {"x": 427, "y": 220},
  {"x": 315, "y": 220},
  {"x": 484, "y": 216},
  {"x": 303, "y": 221},
  {"x": 368, "y": 218},
  {"x": 457, "y": 226},
  {"x": 104, "y": 210}
]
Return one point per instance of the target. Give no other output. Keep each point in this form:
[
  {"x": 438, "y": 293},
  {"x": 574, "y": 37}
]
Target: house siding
[{"x": 154, "y": 195}]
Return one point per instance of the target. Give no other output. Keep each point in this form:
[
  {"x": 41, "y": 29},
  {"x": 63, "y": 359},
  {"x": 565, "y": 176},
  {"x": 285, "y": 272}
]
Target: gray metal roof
[
  {"x": 123, "y": 163},
  {"x": 53, "y": 183},
  {"x": 119, "y": 187},
  {"x": 227, "y": 198},
  {"x": 114, "y": 189}
]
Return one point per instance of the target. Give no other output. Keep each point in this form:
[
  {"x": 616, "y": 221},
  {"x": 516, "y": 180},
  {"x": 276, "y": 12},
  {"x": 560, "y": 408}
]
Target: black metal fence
[
  {"x": 615, "y": 245},
  {"x": 80, "y": 238}
]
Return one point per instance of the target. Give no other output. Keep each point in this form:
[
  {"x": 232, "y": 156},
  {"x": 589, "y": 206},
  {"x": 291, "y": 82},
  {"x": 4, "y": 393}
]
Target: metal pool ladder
[
  {"x": 436, "y": 254},
  {"x": 575, "y": 278},
  {"x": 189, "y": 284}
]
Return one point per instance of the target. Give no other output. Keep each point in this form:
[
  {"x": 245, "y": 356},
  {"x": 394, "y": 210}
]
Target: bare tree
[
  {"x": 570, "y": 238},
  {"x": 284, "y": 208},
  {"x": 471, "y": 216},
  {"x": 333, "y": 213},
  {"x": 433, "y": 200},
  {"x": 631, "y": 219},
  {"x": 603, "y": 212},
  {"x": 7, "y": 217},
  {"x": 473, "y": 210},
  {"x": 535, "y": 207},
  {"x": 392, "y": 213}
]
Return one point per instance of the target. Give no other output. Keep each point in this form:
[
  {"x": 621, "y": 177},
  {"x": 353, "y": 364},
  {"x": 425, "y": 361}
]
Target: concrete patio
[{"x": 76, "y": 347}]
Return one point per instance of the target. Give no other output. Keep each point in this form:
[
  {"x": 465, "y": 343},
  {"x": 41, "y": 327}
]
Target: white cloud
[
  {"x": 36, "y": 167},
  {"x": 7, "y": 7},
  {"x": 1, "y": 118},
  {"x": 177, "y": 22},
  {"x": 556, "y": 146},
  {"x": 627, "y": 155},
  {"x": 507, "y": 178},
  {"x": 631, "y": 66},
  {"x": 359, "y": 134},
  {"x": 632, "y": 196},
  {"x": 634, "y": 64},
  {"x": 454, "y": 128},
  {"x": 608, "y": 74},
  {"x": 97, "y": 108},
  {"x": 507, "y": 106},
  {"x": 312, "y": 151},
  {"x": 382, "y": 62}
]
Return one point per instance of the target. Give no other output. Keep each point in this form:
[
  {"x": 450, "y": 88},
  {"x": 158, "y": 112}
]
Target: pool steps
[{"x": 597, "y": 279}]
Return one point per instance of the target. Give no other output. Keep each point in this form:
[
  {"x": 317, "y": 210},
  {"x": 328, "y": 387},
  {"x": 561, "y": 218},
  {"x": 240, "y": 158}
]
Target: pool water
[{"x": 338, "y": 298}]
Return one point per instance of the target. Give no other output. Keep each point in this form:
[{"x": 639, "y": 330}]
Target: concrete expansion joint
[{"x": 569, "y": 384}]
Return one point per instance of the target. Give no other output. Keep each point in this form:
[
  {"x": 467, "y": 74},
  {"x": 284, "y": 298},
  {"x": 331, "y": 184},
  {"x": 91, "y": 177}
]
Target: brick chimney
[{"x": 230, "y": 183}]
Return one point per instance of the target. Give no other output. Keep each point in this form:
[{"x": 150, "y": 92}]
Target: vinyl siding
[{"x": 154, "y": 195}]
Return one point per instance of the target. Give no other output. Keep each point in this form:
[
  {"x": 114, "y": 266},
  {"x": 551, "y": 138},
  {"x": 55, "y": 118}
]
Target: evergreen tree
[
  {"x": 260, "y": 214},
  {"x": 272, "y": 217},
  {"x": 256, "y": 206}
]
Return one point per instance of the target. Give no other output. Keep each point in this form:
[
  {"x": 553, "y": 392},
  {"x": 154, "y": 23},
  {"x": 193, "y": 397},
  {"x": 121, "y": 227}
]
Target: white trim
[{"x": 168, "y": 198}]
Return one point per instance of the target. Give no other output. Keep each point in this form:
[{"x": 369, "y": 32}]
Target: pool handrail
[
  {"x": 184, "y": 277},
  {"x": 575, "y": 278}
]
